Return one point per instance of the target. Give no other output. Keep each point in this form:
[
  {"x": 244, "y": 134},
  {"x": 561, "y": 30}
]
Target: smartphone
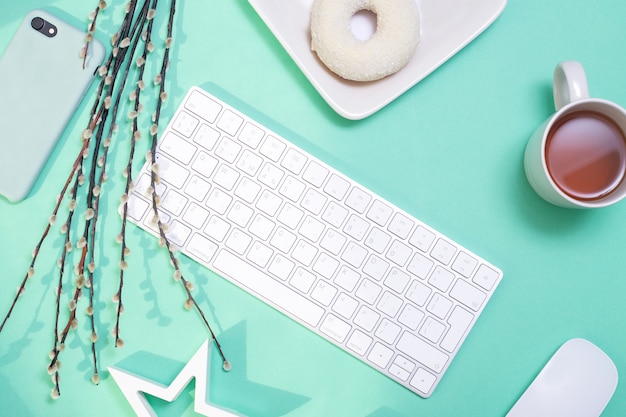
[{"x": 43, "y": 79}]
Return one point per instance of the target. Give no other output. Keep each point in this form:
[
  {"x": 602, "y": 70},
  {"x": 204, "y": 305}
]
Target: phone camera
[
  {"x": 37, "y": 23},
  {"x": 43, "y": 26}
]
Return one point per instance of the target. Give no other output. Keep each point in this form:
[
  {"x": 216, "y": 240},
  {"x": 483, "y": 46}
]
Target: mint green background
[{"x": 449, "y": 151}]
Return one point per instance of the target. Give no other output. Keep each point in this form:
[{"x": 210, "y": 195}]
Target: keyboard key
[
  {"x": 269, "y": 203},
  {"x": 334, "y": 327},
  {"x": 418, "y": 293},
  {"x": 311, "y": 229},
  {"x": 259, "y": 254},
  {"x": 219, "y": 201},
  {"x": 379, "y": 213},
  {"x": 345, "y": 305},
  {"x": 315, "y": 174},
  {"x": 423, "y": 381},
  {"x": 398, "y": 253},
  {"x": 247, "y": 190},
  {"x": 203, "y": 106},
  {"x": 323, "y": 292},
  {"x": 366, "y": 318},
  {"x": 464, "y": 264},
  {"x": 230, "y": 122},
  {"x": 281, "y": 267},
  {"x": 398, "y": 372},
  {"x": 326, "y": 265},
  {"x": 333, "y": 241},
  {"x": 272, "y": 148},
  {"x": 313, "y": 201},
  {"x": 240, "y": 214},
  {"x": 420, "y": 265},
  {"x": 376, "y": 267},
  {"x": 271, "y": 176},
  {"x": 261, "y": 227},
  {"x": 358, "y": 200},
  {"x": 174, "y": 202},
  {"x": 304, "y": 253},
  {"x": 439, "y": 305},
  {"x": 217, "y": 228},
  {"x": 205, "y": 164},
  {"x": 178, "y": 233},
  {"x": 486, "y": 277},
  {"x": 422, "y": 239},
  {"x": 249, "y": 163},
  {"x": 290, "y": 216},
  {"x": 380, "y": 355},
  {"x": 356, "y": 227},
  {"x": 206, "y": 137},
  {"x": 432, "y": 329},
  {"x": 137, "y": 207},
  {"x": 292, "y": 188},
  {"x": 387, "y": 331},
  {"x": 389, "y": 304},
  {"x": 347, "y": 278},
  {"x": 197, "y": 188},
  {"x": 226, "y": 177},
  {"x": 184, "y": 123},
  {"x": 368, "y": 291},
  {"x": 459, "y": 321},
  {"x": 238, "y": 241},
  {"x": 354, "y": 254},
  {"x": 177, "y": 148},
  {"x": 335, "y": 214},
  {"x": 443, "y": 251},
  {"x": 441, "y": 278},
  {"x": 228, "y": 150},
  {"x": 201, "y": 247},
  {"x": 377, "y": 240},
  {"x": 359, "y": 342},
  {"x": 302, "y": 280},
  {"x": 401, "y": 225},
  {"x": 293, "y": 161},
  {"x": 171, "y": 172},
  {"x": 251, "y": 135},
  {"x": 411, "y": 316},
  {"x": 283, "y": 240},
  {"x": 336, "y": 187},
  {"x": 195, "y": 216},
  {"x": 397, "y": 280},
  {"x": 468, "y": 295}
]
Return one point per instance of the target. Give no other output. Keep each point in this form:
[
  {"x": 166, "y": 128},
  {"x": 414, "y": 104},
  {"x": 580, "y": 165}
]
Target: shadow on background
[{"x": 231, "y": 390}]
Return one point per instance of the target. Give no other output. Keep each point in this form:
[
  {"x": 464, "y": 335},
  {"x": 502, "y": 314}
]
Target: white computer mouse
[{"x": 578, "y": 381}]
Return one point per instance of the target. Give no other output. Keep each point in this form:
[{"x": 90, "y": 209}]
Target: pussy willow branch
[
  {"x": 154, "y": 180},
  {"x": 130, "y": 51},
  {"x": 128, "y": 171},
  {"x": 57, "y": 345},
  {"x": 92, "y": 29}
]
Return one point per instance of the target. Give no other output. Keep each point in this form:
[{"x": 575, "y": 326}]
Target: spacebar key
[{"x": 268, "y": 288}]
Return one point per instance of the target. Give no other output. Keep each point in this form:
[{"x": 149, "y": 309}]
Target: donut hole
[{"x": 363, "y": 24}]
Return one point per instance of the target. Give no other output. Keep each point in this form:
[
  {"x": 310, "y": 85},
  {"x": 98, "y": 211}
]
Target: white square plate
[{"x": 446, "y": 27}]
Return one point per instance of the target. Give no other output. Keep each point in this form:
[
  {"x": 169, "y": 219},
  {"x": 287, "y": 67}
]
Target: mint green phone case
[{"x": 42, "y": 81}]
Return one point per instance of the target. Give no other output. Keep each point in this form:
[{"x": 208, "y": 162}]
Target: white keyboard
[{"x": 309, "y": 241}]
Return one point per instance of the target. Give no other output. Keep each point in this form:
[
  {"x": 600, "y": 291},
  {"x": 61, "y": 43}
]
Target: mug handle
[{"x": 570, "y": 83}]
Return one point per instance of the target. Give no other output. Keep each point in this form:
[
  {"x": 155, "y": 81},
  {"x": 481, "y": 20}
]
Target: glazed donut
[{"x": 389, "y": 49}]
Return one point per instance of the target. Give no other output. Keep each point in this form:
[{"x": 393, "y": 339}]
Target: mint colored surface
[{"x": 448, "y": 151}]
